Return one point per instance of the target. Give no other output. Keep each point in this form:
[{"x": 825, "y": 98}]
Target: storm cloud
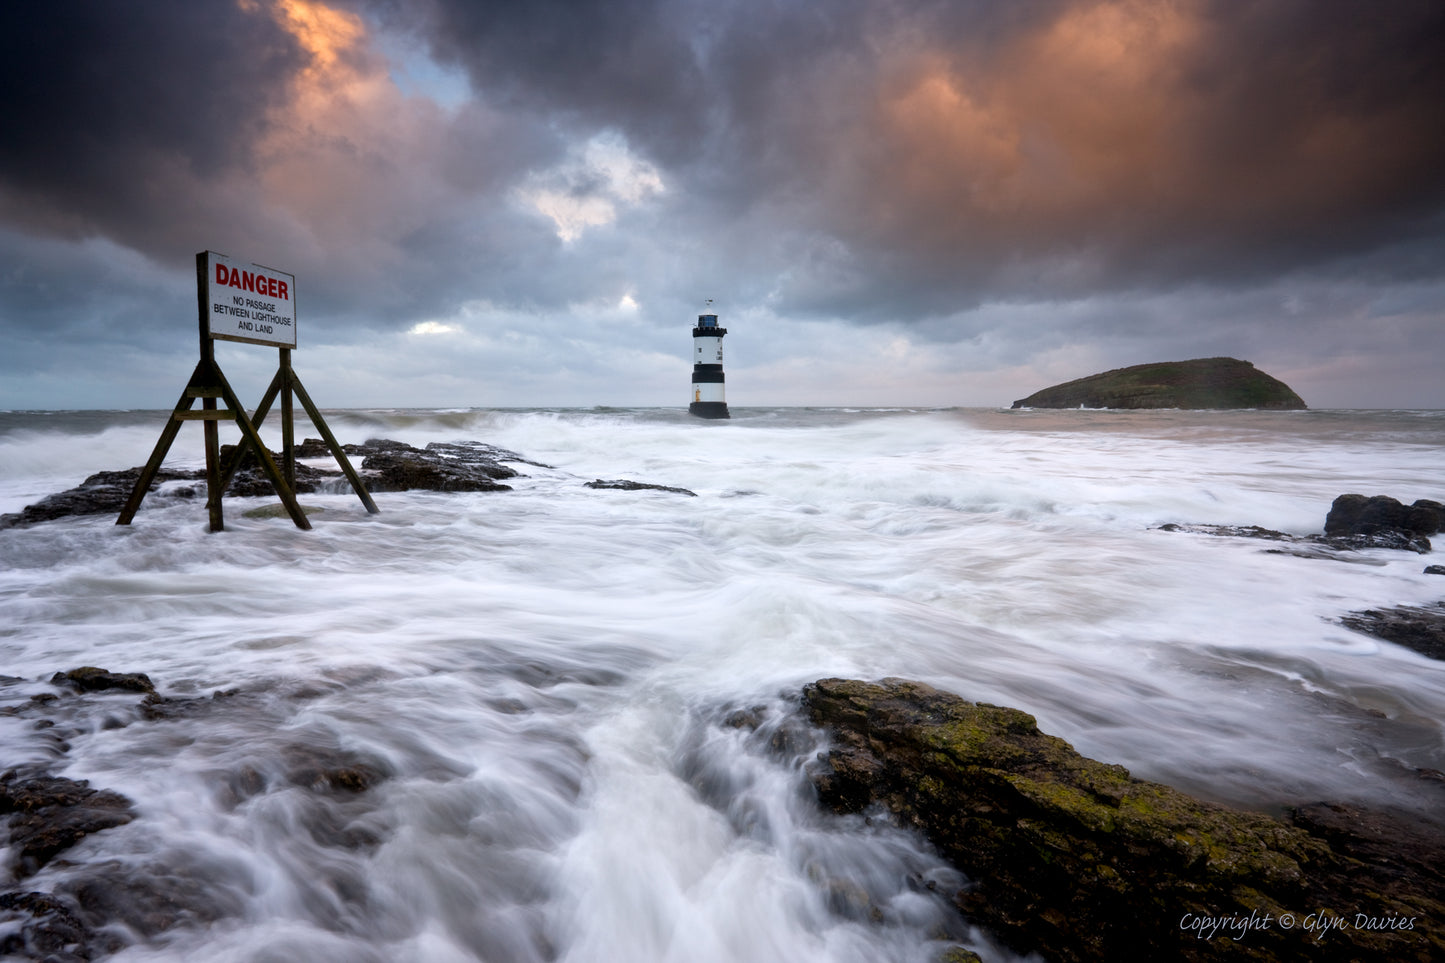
[{"x": 982, "y": 194}]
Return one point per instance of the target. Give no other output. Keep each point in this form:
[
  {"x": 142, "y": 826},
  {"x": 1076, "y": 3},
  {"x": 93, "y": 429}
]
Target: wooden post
[
  {"x": 337, "y": 451},
  {"x": 208, "y": 403},
  {"x": 288, "y": 431},
  {"x": 163, "y": 445}
]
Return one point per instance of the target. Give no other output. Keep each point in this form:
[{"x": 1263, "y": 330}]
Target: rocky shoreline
[
  {"x": 1355, "y": 523},
  {"x": 1067, "y": 857},
  {"x": 385, "y": 466},
  {"x": 101, "y": 906},
  {"x": 1062, "y": 855},
  {"x": 1078, "y": 861}
]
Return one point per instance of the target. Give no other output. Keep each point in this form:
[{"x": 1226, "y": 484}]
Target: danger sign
[{"x": 248, "y": 302}]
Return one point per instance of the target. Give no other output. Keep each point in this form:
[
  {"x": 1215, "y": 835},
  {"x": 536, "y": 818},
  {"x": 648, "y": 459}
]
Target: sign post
[{"x": 254, "y": 305}]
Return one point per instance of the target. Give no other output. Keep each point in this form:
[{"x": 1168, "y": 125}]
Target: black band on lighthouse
[{"x": 708, "y": 392}]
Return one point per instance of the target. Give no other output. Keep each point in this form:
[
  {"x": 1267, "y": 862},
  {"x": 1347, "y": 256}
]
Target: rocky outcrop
[
  {"x": 1076, "y": 860},
  {"x": 386, "y": 466},
  {"x": 1353, "y": 522},
  {"x": 49, "y": 814},
  {"x": 450, "y": 468},
  {"x": 1420, "y": 628},
  {"x": 99, "y": 905},
  {"x": 1334, "y": 547},
  {"x": 1360, "y": 515},
  {"x": 104, "y": 493},
  {"x": 627, "y": 485},
  {"x": 1201, "y": 383}
]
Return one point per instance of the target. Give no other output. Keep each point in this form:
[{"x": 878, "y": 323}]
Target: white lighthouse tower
[{"x": 708, "y": 397}]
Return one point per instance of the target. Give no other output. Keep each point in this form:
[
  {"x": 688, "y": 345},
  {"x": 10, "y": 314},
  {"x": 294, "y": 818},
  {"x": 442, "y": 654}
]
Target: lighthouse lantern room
[{"x": 708, "y": 397}]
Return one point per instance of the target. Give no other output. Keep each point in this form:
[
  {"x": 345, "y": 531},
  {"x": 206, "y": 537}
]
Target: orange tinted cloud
[{"x": 1055, "y": 124}]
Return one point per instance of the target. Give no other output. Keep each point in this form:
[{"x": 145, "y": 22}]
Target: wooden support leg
[
  {"x": 288, "y": 429},
  {"x": 158, "y": 454},
  {"x": 213, "y": 468},
  {"x": 268, "y": 464},
  {"x": 245, "y": 446},
  {"x": 336, "y": 451}
]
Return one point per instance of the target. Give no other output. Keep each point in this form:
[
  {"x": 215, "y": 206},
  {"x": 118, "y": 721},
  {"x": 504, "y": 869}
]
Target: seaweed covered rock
[
  {"x": 1077, "y": 860},
  {"x": 1201, "y": 383}
]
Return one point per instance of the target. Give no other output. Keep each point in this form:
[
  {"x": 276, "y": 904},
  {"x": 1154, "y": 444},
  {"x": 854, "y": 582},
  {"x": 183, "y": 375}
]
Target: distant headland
[{"x": 1201, "y": 383}]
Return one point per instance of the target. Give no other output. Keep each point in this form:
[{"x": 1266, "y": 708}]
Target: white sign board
[{"x": 248, "y": 302}]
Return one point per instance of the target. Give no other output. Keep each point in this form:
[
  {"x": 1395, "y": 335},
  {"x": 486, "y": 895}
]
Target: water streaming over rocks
[{"x": 556, "y": 723}]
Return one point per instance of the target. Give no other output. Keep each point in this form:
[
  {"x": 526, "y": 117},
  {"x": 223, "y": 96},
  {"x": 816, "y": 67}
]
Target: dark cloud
[
  {"x": 1018, "y": 175},
  {"x": 920, "y": 155},
  {"x": 106, "y": 102}
]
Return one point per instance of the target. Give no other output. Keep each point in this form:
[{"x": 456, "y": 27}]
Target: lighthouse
[{"x": 708, "y": 399}]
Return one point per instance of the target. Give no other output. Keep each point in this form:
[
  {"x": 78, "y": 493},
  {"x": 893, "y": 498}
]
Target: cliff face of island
[{"x": 1201, "y": 383}]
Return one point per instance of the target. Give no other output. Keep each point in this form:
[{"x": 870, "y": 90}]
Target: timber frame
[{"x": 209, "y": 384}]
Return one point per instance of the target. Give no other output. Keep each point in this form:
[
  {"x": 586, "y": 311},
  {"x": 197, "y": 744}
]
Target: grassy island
[{"x": 1201, "y": 383}]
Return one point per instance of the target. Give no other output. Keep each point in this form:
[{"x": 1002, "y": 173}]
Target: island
[{"x": 1200, "y": 383}]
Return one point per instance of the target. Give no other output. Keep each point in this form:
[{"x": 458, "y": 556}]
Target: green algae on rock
[
  {"x": 1201, "y": 383},
  {"x": 1077, "y": 860}
]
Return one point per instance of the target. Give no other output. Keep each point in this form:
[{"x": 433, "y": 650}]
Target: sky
[{"x": 890, "y": 202}]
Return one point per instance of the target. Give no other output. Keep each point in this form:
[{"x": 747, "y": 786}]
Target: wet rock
[
  {"x": 88, "y": 678},
  {"x": 1421, "y": 628},
  {"x": 251, "y": 480},
  {"x": 1361, "y": 515},
  {"x": 386, "y": 466},
  {"x": 1313, "y": 546},
  {"x": 331, "y": 770},
  {"x": 148, "y": 900},
  {"x": 957, "y": 954},
  {"x": 624, "y": 484},
  {"x": 49, "y": 929},
  {"x": 104, "y": 493},
  {"x": 1230, "y": 531},
  {"x": 1077, "y": 860},
  {"x": 49, "y": 814},
  {"x": 1434, "y": 570},
  {"x": 395, "y": 467},
  {"x": 750, "y": 718}
]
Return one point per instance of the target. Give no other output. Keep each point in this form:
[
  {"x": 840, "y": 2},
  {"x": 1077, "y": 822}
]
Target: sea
[{"x": 542, "y": 688}]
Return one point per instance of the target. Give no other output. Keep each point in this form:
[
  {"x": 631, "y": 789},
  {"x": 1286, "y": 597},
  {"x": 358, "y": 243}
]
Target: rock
[
  {"x": 88, "y": 678},
  {"x": 1312, "y": 546},
  {"x": 394, "y": 466},
  {"x": 1434, "y": 570},
  {"x": 50, "y": 814},
  {"x": 387, "y": 466},
  {"x": 251, "y": 481},
  {"x": 330, "y": 770},
  {"x": 1201, "y": 383},
  {"x": 1230, "y": 531},
  {"x": 1358, "y": 515},
  {"x": 1419, "y": 628},
  {"x": 400, "y": 471},
  {"x": 1077, "y": 860},
  {"x": 957, "y": 954},
  {"x": 633, "y": 486},
  {"x": 49, "y": 929},
  {"x": 104, "y": 493}
]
